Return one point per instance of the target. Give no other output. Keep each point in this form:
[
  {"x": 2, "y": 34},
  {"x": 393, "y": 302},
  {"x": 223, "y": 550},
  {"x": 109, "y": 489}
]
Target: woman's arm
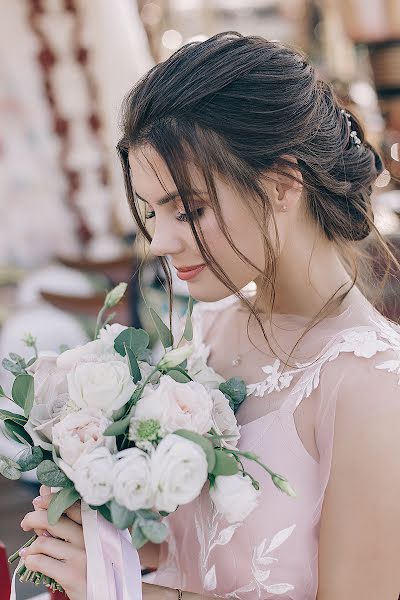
[{"x": 359, "y": 546}]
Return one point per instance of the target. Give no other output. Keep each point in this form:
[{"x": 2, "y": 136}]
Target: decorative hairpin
[{"x": 353, "y": 133}]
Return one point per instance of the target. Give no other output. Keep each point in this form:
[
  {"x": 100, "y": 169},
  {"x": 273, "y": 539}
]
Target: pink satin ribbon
[{"x": 113, "y": 565}]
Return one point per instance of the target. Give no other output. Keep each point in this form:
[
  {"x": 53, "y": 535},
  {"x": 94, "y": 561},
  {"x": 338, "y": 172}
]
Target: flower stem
[{"x": 16, "y": 555}]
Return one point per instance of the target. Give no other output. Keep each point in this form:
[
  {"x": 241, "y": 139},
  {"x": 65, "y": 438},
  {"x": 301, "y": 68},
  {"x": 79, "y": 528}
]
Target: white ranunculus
[
  {"x": 80, "y": 433},
  {"x": 50, "y": 400},
  {"x": 132, "y": 479},
  {"x": 234, "y": 496},
  {"x": 176, "y": 406},
  {"x": 87, "y": 353},
  {"x": 106, "y": 386},
  {"x": 224, "y": 420},
  {"x": 109, "y": 333},
  {"x": 179, "y": 470},
  {"x": 93, "y": 476},
  {"x": 199, "y": 370}
]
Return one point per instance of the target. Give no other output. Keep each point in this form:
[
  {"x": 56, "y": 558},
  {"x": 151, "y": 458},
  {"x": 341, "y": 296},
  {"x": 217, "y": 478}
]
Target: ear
[{"x": 287, "y": 191}]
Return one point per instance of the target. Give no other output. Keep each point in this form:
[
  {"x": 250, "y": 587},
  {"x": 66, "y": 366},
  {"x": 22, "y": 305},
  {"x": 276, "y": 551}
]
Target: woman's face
[{"x": 172, "y": 234}]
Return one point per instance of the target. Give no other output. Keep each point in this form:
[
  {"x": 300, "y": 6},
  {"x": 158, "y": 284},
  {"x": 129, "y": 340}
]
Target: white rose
[
  {"x": 80, "y": 433},
  {"x": 199, "y": 370},
  {"x": 51, "y": 397},
  {"x": 179, "y": 471},
  {"x": 234, "y": 496},
  {"x": 176, "y": 406},
  {"x": 224, "y": 420},
  {"x": 106, "y": 386},
  {"x": 132, "y": 479},
  {"x": 87, "y": 353},
  {"x": 109, "y": 334},
  {"x": 93, "y": 476}
]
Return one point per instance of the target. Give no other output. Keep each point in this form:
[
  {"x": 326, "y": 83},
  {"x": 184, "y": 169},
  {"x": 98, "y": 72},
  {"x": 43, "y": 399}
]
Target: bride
[{"x": 259, "y": 185}]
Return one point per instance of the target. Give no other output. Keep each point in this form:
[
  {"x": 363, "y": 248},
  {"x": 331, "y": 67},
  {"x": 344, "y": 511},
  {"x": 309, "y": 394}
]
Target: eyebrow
[{"x": 167, "y": 198}]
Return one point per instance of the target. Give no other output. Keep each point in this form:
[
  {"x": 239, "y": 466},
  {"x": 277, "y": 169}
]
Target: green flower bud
[
  {"x": 145, "y": 430},
  {"x": 29, "y": 340},
  {"x": 115, "y": 295},
  {"x": 174, "y": 357},
  {"x": 283, "y": 485}
]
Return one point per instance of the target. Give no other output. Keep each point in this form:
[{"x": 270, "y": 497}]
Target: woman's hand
[{"x": 59, "y": 551}]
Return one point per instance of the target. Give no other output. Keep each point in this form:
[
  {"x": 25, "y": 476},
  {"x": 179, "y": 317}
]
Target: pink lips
[{"x": 186, "y": 273}]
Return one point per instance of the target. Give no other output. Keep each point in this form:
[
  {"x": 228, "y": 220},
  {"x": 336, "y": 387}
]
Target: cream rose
[
  {"x": 105, "y": 386},
  {"x": 109, "y": 334},
  {"x": 176, "y": 406},
  {"x": 224, "y": 420},
  {"x": 132, "y": 479},
  {"x": 178, "y": 470},
  {"x": 199, "y": 370},
  {"x": 234, "y": 496},
  {"x": 80, "y": 433},
  {"x": 93, "y": 476}
]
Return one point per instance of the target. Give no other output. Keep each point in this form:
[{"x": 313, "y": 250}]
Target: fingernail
[
  {"x": 22, "y": 552},
  {"x": 46, "y": 534},
  {"x": 36, "y": 501}
]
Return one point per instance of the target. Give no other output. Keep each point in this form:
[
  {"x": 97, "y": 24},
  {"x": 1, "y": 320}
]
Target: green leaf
[
  {"x": 164, "y": 332},
  {"x": 2, "y": 393},
  {"x": 121, "y": 516},
  {"x": 135, "y": 339},
  {"x": 188, "y": 331},
  {"x": 203, "y": 442},
  {"x": 155, "y": 531},
  {"x": 50, "y": 474},
  {"x": 16, "y": 358},
  {"x": 225, "y": 464},
  {"x": 178, "y": 376},
  {"x": 60, "y": 502},
  {"x": 31, "y": 459},
  {"x": 235, "y": 389},
  {"x": 119, "y": 427},
  {"x": 6, "y": 415},
  {"x": 133, "y": 365},
  {"x": 23, "y": 392},
  {"x": 104, "y": 511},
  {"x": 9, "y": 468},
  {"x": 147, "y": 513},
  {"x": 16, "y": 432},
  {"x": 138, "y": 537},
  {"x": 14, "y": 368}
]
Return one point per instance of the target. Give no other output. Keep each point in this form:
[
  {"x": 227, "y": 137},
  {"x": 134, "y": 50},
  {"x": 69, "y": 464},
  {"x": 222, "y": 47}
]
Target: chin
[{"x": 213, "y": 291}]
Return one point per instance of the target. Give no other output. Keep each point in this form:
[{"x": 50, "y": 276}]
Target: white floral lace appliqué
[{"x": 275, "y": 381}]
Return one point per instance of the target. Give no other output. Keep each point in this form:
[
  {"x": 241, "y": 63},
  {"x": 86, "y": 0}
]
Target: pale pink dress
[{"x": 288, "y": 421}]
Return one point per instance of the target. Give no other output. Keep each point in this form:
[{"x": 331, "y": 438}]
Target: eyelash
[{"x": 182, "y": 217}]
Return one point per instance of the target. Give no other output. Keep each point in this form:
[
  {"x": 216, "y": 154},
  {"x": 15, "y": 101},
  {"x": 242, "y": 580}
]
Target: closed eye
[{"x": 182, "y": 217}]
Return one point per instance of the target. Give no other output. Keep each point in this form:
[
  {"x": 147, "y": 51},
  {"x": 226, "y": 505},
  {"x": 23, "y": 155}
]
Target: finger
[
  {"x": 48, "y": 566},
  {"x": 49, "y": 546},
  {"x": 74, "y": 512},
  {"x": 45, "y": 492},
  {"x": 64, "y": 528}
]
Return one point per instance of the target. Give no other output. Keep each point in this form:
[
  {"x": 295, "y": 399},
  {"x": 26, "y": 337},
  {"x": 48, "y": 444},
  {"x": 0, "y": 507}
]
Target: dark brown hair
[{"x": 237, "y": 105}]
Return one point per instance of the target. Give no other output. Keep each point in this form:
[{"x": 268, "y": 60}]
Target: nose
[{"x": 166, "y": 240}]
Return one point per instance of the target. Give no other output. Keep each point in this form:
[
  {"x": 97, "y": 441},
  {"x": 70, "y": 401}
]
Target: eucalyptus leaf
[
  {"x": 146, "y": 513},
  {"x": 23, "y": 392},
  {"x": 133, "y": 365},
  {"x": 235, "y": 389},
  {"x": 60, "y": 502},
  {"x": 155, "y": 531},
  {"x": 31, "y": 459},
  {"x": 2, "y": 393},
  {"x": 137, "y": 535},
  {"x": 201, "y": 441},
  {"x": 17, "y": 358},
  {"x": 119, "y": 427},
  {"x": 225, "y": 464},
  {"x": 14, "y": 368},
  {"x": 188, "y": 331},
  {"x": 9, "y": 468},
  {"x": 121, "y": 516},
  {"x": 104, "y": 510},
  {"x": 6, "y": 415},
  {"x": 16, "y": 432},
  {"x": 50, "y": 474},
  {"x": 135, "y": 339},
  {"x": 178, "y": 376},
  {"x": 164, "y": 332}
]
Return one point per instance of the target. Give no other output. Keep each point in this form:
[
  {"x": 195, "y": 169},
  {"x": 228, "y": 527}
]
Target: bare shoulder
[{"x": 360, "y": 521}]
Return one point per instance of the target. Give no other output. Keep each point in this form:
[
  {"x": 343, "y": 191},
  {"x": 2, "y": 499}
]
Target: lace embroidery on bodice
[{"x": 212, "y": 531}]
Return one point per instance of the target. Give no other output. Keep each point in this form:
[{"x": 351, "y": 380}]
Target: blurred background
[{"x": 66, "y": 234}]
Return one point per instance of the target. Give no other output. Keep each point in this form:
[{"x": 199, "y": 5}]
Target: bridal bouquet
[{"x": 132, "y": 439}]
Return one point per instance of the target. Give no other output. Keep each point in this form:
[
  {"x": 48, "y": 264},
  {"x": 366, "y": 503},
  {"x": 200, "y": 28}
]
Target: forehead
[{"x": 151, "y": 177}]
